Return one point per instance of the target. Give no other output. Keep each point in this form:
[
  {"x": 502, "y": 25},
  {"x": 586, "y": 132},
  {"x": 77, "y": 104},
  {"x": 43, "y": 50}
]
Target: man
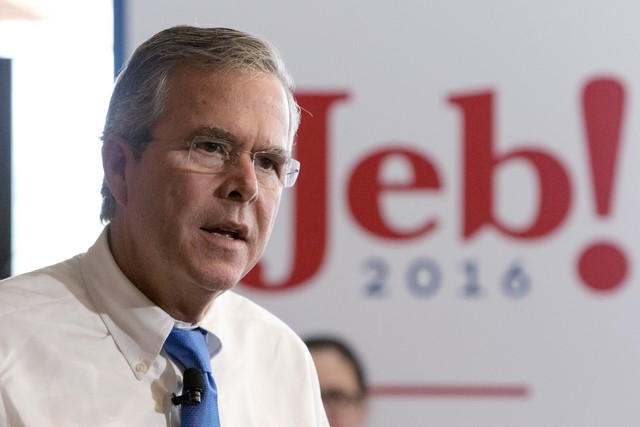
[{"x": 196, "y": 152}]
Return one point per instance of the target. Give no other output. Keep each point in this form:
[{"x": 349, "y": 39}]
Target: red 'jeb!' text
[{"x": 603, "y": 110}]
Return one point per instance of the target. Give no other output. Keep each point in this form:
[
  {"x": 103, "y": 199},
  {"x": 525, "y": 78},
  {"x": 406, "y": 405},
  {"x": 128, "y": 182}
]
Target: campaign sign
[{"x": 468, "y": 205}]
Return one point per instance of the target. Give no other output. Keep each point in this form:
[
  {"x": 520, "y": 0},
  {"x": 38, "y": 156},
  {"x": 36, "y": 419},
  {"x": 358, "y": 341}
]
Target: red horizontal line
[{"x": 450, "y": 390}]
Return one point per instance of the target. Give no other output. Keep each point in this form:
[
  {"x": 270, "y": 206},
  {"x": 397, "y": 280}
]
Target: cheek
[
  {"x": 267, "y": 211},
  {"x": 184, "y": 194},
  {"x": 169, "y": 197}
]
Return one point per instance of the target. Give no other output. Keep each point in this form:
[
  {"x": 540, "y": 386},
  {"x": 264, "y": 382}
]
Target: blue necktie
[{"x": 189, "y": 348}]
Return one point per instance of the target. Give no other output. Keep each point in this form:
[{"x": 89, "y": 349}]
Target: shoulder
[
  {"x": 234, "y": 315},
  {"x": 243, "y": 309},
  {"x": 37, "y": 289},
  {"x": 41, "y": 311}
]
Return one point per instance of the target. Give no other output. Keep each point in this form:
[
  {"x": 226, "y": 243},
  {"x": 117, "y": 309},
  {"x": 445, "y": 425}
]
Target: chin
[{"x": 218, "y": 280}]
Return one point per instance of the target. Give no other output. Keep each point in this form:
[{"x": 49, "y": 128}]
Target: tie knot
[{"x": 188, "y": 347}]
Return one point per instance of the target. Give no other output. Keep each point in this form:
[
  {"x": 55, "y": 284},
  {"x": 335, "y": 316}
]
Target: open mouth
[{"x": 231, "y": 234}]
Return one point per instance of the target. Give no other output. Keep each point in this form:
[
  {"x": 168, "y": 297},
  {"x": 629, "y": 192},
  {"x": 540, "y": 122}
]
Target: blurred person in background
[{"x": 342, "y": 381}]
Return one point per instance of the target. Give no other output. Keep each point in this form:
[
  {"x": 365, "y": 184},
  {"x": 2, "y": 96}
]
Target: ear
[{"x": 115, "y": 155}]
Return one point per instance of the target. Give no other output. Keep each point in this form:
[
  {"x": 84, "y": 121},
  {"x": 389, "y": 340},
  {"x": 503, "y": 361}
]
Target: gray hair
[{"x": 142, "y": 87}]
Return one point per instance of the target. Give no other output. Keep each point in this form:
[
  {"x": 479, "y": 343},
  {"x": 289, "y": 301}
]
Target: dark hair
[
  {"x": 333, "y": 343},
  {"x": 142, "y": 87}
]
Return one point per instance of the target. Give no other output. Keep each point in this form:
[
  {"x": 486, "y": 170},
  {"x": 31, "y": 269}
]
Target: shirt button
[{"x": 141, "y": 367}]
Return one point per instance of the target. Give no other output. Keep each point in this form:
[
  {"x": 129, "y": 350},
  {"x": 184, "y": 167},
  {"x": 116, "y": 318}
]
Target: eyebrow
[
  {"x": 223, "y": 135},
  {"x": 218, "y": 133}
]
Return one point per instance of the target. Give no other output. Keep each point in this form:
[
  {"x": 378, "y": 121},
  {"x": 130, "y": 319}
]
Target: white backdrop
[{"x": 452, "y": 220}]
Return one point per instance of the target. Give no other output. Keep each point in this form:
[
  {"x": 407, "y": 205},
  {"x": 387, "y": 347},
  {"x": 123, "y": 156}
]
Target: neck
[{"x": 186, "y": 302}]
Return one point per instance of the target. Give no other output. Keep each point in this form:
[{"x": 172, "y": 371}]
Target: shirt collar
[{"x": 138, "y": 327}]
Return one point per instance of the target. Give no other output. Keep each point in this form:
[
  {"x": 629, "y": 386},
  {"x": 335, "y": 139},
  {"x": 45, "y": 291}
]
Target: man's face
[{"x": 202, "y": 231}]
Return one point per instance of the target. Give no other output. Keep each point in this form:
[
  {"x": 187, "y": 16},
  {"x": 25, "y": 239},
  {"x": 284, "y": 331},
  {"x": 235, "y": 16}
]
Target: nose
[
  {"x": 241, "y": 182},
  {"x": 234, "y": 157}
]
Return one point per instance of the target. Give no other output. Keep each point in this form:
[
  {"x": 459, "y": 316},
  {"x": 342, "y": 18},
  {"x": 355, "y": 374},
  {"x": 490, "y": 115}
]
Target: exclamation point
[{"x": 602, "y": 265}]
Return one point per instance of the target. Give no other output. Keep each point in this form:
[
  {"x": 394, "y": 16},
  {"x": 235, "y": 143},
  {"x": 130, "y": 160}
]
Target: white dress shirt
[{"x": 81, "y": 346}]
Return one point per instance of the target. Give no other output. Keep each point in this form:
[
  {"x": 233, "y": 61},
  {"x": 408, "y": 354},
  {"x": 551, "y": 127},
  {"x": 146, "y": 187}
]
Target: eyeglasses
[{"x": 273, "y": 169}]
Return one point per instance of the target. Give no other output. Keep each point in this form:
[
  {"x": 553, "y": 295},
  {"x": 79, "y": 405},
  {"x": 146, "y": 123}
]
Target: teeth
[{"x": 226, "y": 233}]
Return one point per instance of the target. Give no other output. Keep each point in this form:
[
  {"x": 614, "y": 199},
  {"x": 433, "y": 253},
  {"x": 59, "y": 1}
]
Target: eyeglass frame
[
  {"x": 341, "y": 400},
  {"x": 290, "y": 166}
]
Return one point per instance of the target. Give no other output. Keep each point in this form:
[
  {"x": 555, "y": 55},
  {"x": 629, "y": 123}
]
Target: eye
[
  {"x": 272, "y": 162},
  {"x": 207, "y": 145},
  {"x": 337, "y": 397}
]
